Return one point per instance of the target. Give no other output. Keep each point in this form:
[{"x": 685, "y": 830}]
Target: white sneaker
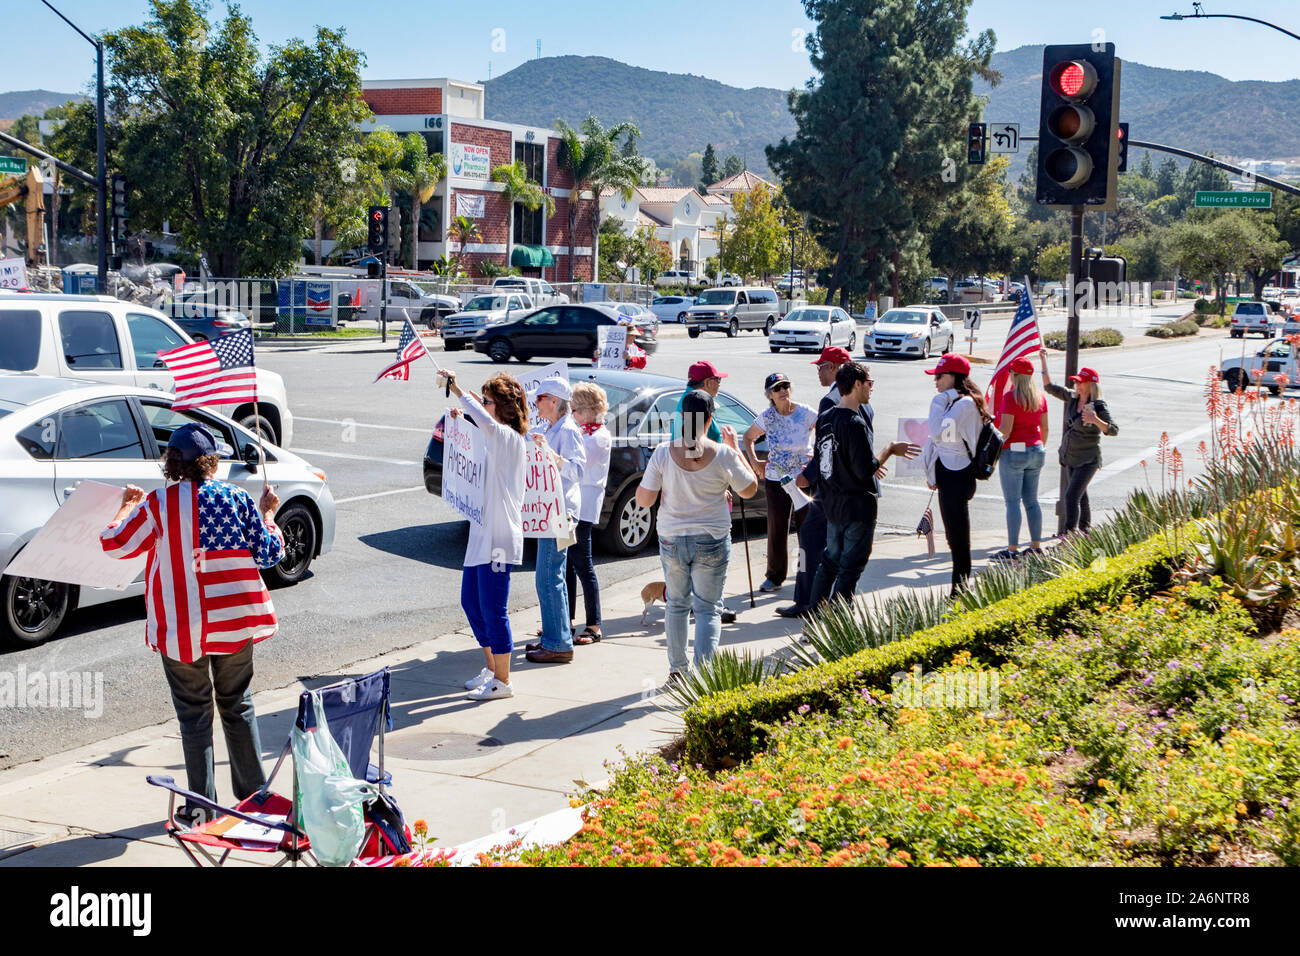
[
  {"x": 491, "y": 690},
  {"x": 479, "y": 679}
]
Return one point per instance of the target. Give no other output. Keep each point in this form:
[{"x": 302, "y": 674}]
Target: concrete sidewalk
[{"x": 470, "y": 769}]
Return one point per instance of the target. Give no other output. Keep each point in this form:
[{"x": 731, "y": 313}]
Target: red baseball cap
[
  {"x": 1022, "y": 366},
  {"x": 957, "y": 364},
  {"x": 1086, "y": 375},
  {"x": 702, "y": 370},
  {"x": 834, "y": 354}
]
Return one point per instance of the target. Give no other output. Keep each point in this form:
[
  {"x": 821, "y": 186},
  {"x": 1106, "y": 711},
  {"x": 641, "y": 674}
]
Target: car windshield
[
  {"x": 484, "y": 303},
  {"x": 901, "y": 317},
  {"x": 1251, "y": 308},
  {"x": 808, "y": 315},
  {"x": 717, "y": 297}
]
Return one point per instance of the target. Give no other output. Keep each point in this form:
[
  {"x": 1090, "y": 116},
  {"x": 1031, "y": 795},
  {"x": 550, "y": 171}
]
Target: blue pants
[
  {"x": 848, "y": 546},
  {"x": 553, "y": 594},
  {"x": 484, "y": 593},
  {"x": 812, "y": 545},
  {"x": 695, "y": 571},
  {"x": 1019, "y": 472}
]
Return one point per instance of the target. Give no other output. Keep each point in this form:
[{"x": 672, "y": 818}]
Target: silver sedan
[{"x": 57, "y": 432}]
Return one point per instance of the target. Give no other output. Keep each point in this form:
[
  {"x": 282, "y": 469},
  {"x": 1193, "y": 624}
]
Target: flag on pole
[
  {"x": 219, "y": 372},
  {"x": 926, "y": 527},
  {"x": 409, "y": 348},
  {"x": 1023, "y": 339}
]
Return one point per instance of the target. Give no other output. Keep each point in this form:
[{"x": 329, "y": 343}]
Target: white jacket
[{"x": 955, "y": 424}]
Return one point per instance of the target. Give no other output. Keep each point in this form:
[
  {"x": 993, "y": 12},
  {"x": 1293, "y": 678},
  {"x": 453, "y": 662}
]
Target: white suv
[
  {"x": 1252, "y": 317},
  {"x": 98, "y": 338}
]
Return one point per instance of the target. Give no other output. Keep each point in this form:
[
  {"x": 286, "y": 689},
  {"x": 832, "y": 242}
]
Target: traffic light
[
  {"x": 1078, "y": 113},
  {"x": 1121, "y": 147},
  {"x": 117, "y": 202},
  {"x": 977, "y": 144},
  {"x": 377, "y": 238}
]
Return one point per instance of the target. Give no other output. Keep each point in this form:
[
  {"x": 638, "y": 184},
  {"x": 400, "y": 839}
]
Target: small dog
[{"x": 654, "y": 591}]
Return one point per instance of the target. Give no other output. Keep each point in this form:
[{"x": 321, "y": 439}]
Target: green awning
[{"x": 531, "y": 257}]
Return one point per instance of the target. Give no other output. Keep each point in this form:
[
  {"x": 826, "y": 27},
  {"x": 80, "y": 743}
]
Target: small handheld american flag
[
  {"x": 409, "y": 348},
  {"x": 926, "y": 526},
  {"x": 220, "y": 372},
  {"x": 1023, "y": 339}
]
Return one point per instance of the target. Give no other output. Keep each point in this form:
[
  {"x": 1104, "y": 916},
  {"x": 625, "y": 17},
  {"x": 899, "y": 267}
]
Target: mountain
[
  {"x": 20, "y": 102},
  {"x": 1191, "y": 109},
  {"x": 677, "y": 113}
]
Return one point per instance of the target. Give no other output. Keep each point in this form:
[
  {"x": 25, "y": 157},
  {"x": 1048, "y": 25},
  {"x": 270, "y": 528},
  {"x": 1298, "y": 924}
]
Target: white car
[
  {"x": 671, "y": 308},
  {"x": 811, "y": 328},
  {"x": 916, "y": 330},
  {"x": 56, "y": 432},
  {"x": 730, "y": 278},
  {"x": 677, "y": 277}
]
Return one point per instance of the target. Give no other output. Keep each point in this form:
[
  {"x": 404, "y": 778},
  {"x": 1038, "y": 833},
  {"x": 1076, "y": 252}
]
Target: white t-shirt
[
  {"x": 594, "y": 474},
  {"x": 501, "y": 536},
  {"x": 694, "y": 502}
]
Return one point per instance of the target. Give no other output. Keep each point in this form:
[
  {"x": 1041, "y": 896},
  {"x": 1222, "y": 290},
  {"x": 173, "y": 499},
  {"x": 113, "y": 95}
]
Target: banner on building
[
  {"x": 470, "y": 205},
  {"x": 469, "y": 161}
]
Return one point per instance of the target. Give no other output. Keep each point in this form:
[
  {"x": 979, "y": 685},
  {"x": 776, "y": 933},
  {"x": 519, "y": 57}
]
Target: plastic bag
[{"x": 330, "y": 799}]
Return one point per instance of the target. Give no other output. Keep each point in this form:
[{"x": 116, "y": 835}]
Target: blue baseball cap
[{"x": 194, "y": 440}]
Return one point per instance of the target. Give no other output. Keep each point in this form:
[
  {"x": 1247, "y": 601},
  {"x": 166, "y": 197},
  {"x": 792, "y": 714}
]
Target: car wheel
[
  {"x": 430, "y": 318},
  {"x": 681, "y": 317},
  {"x": 693, "y": 333},
  {"x": 1275, "y": 390},
  {"x": 299, "y": 530},
  {"x": 630, "y": 527},
  {"x": 775, "y": 348},
  {"x": 826, "y": 343},
  {"x": 34, "y": 609},
  {"x": 499, "y": 351},
  {"x": 523, "y": 356},
  {"x": 733, "y": 329},
  {"x": 1235, "y": 335},
  {"x": 1235, "y": 379},
  {"x": 767, "y": 328},
  {"x": 260, "y": 426},
  {"x": 925, "y": 350},
  {"x": 853, "y": 340}
]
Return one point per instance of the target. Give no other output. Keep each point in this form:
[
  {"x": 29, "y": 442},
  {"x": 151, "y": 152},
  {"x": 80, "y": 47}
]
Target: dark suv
[
  {"x": 641, "y": 407},
  {"x": 556, "y": 331}
]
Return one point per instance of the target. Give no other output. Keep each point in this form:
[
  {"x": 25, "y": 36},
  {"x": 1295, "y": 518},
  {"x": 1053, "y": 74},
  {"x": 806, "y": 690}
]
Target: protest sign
[
  {"x": 544, "y": 511},
  {"x": 613, "y": 341},
  {"x": 13, "y": 274},
  {"x": 916, "y": 431},
  {"x": 464, "y": 464},
  {"x": 67, "y": 549},
  {"x": 530, "y": 381}
]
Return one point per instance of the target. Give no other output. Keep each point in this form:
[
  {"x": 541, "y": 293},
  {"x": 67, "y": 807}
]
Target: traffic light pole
[
  {"x": 383, "y": 298},
  {"x": 1071, "y": 336}
]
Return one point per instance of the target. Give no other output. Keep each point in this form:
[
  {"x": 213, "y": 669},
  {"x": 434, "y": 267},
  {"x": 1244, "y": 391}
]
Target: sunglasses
[
  {"x": 488, "y": 401},
  {"x": 781, "y": 387}
]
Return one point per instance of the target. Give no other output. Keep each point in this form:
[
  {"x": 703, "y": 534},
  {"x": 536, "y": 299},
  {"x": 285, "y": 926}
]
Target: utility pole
[{"x": 1071, "y": 335}]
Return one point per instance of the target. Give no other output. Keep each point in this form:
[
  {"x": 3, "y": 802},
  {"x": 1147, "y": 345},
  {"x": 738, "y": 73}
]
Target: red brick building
[{"x": 449, "y": 114}]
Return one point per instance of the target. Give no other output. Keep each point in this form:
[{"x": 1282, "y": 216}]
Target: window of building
[
  {"x": 528, "y": 225},
  {"x": 533, "y": 157}
]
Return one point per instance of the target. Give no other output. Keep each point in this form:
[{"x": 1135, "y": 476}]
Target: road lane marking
[
  {"x": 379, "y": 494},
  {"x": 307, "y": 452},
  {"x": 346, "y": 423}
]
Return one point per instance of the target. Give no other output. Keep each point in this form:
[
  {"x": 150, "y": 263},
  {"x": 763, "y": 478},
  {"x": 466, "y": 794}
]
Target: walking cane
[{"x": 744, "y": 531}]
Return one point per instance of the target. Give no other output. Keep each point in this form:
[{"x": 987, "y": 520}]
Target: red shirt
[{"x": 1028, "y": 426}]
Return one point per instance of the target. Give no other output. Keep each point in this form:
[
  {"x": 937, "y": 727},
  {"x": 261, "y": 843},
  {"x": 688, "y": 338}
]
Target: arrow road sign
[
  {"x": 1004, "y": 137},
  {"x": 970, "y": 318}
]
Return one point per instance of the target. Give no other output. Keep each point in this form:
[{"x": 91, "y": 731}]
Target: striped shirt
[{"x": 204, "y": 542}]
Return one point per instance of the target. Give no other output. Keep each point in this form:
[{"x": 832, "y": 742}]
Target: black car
[
  {"x": 555, "y": 331},
  {"x": 641, "y": 408}
]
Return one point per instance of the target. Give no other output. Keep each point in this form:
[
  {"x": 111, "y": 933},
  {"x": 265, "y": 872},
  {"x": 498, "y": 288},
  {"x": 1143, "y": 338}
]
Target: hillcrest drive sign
[{"x": 1251, "y": 200}]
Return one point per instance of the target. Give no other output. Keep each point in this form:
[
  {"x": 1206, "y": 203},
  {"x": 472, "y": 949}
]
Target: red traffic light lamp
[
  {"x": 1076, "y": 133},
  {"x": 1073, "y": 79}
]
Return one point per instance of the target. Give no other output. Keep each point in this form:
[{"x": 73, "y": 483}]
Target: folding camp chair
[{"x": 357, "y": 711}]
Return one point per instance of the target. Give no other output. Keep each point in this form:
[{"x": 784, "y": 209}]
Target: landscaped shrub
[
  {"x": 1176, "y": 329},
  {"x": 1202, "y": 305},
  {"x": 1096, "y": 339}
]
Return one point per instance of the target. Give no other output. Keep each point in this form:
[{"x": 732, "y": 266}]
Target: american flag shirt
[{"x": 204, "y": 543}]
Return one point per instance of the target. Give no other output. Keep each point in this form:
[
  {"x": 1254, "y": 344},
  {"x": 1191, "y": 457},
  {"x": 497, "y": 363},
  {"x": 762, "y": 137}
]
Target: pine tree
[
  {"x": 1146, "y": 169},
  {"x": 709, "y": 167},
  {"x": 1167, "y": 177}
]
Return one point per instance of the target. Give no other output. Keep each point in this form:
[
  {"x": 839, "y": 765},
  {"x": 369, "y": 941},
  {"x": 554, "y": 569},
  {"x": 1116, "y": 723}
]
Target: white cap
[{"x": 555, "y": 386}]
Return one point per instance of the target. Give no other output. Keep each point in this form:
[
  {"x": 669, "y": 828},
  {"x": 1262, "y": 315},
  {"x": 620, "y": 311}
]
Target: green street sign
[
  {"x": 1255, "y": 200},
  {"x": 12, "y": 164}
]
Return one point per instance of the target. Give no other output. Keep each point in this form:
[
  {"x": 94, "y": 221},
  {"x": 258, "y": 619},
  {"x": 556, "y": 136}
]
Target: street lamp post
[
  {"x": 1199, "y": 14},
  {"x": 101, "y": 162}
]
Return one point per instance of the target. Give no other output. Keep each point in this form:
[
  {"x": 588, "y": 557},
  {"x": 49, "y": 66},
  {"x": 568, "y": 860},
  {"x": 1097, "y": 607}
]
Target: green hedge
[
  {"x": 1101, "y": 338},
  {"x": 1202, "y": 305},
  {"x": 728, "y": 727},
  {"x": 1172, "y": 330}
]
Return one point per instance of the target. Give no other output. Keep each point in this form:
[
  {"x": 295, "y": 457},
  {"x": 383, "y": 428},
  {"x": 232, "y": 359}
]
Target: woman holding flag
[
  {"x": 1022, "y": 420},
  {"x": 1086, "y": 419}
]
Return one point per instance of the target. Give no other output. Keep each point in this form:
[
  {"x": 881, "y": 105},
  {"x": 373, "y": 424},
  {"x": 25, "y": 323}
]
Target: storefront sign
[{"x": 469, "y": 161}]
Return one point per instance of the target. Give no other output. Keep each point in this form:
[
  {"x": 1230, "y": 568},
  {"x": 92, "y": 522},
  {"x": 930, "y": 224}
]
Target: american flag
[
  {"x": 1023, "y": 339},
  {"x": 409, "y": 348},
  {"x": 204, "y": 544},
  {"x": 926, "y": 527},
  {"x": 214, "y": 373}
]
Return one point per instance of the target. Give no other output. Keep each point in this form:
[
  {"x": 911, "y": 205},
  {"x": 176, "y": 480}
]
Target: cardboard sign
[
  {"x": 613, "y": 341},
  {"x": 530, "y": 381},
  {"x": 915, "y": 430},
  {"x": 13, "y": 274},
  {"x": 464, "y": 468},
  {"x": 67, "y": 549},
  {"x": 544, "y": 509}
]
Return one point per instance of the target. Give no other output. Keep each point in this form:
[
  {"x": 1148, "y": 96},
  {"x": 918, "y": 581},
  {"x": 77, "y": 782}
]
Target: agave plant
[{"x": 725, "y": 670}]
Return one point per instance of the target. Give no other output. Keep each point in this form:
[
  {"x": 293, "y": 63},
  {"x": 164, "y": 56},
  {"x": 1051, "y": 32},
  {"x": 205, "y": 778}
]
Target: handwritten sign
[
  {"x": 67, "y": 549},
  {"x": 916, "y": 431},
  {"x": 13, "y": 274},
  {"x": 530, "y": 381},
  {"x": 464, "y": 464},
  {"x": 613, "y": 341},
  {"x": 544, "y": 510}
]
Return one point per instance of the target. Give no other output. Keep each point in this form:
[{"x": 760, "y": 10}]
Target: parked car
[
  {"x": 641, "y": 407},
  {"x": 1278, "y": 357},
  {"x": 102, "y": 339},
  {"x": 406, "y": 300},
  {"x": 677, "y": 277},
  {"x": 787, "y": 284},
  {"x": 973, "y": 290},
  {"x": 459, "y": 329},
  {"x": 1252, "y": 317},
  {"x": 557, "y": 331},
  {"x": 914, "y": 330},
  {"x": 731, "y": 310},
  {"x": 115, "y": 434},
  {"x": 671, "y": 308},
  {"x": 729, "y": 279},
  {"x": 217, "y": 322},
  {"x": 641, "y": 316},
  {"x": 811, "y": 328}
]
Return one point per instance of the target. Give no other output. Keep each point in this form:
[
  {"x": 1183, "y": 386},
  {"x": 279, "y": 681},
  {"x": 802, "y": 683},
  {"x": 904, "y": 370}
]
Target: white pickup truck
[
  {"x": 539, "y": 290},
  {"x": 405, "y": 300},
  {"x": 1276, "y": 358},
  {"x": 458, "y": 330}
]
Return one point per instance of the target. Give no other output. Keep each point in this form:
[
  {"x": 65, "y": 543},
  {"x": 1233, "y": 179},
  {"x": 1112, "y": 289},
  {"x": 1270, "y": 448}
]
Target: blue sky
[{"x": 740, "y": 42}]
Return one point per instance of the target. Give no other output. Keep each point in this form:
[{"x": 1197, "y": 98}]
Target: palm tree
[
  {"x": 520, "y": 189},
  {"x": 419, "y": 174},
  {"x": 462, "y": 231},
  {"x": 594, "y": 159}
]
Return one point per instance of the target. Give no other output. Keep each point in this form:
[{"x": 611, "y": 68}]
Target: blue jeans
[
  {"x": 192, "y": 688},
  {"x": 484, "y": 596},
  {"x": 1019, "y": 472},
  {"x": 695, "y": 571},
  {"x": 553, "y": 594},
  {"x": 848, "y": 547}
]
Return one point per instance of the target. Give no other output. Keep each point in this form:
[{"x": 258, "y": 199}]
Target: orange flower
[
  {"x": 740, "y": 833},
  {"x": 421, "y": 828},
  {"x": 844, "y": 743}
]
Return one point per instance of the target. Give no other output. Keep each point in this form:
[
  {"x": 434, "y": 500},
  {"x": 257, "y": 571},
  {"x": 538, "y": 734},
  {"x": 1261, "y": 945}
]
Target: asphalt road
[{"x": 392, "y": 578}]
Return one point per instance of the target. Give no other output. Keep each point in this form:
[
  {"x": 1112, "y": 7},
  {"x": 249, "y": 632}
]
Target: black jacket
[
  {"x": 1080, "y": 442},
  {"x": 845, "y": 466}
]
